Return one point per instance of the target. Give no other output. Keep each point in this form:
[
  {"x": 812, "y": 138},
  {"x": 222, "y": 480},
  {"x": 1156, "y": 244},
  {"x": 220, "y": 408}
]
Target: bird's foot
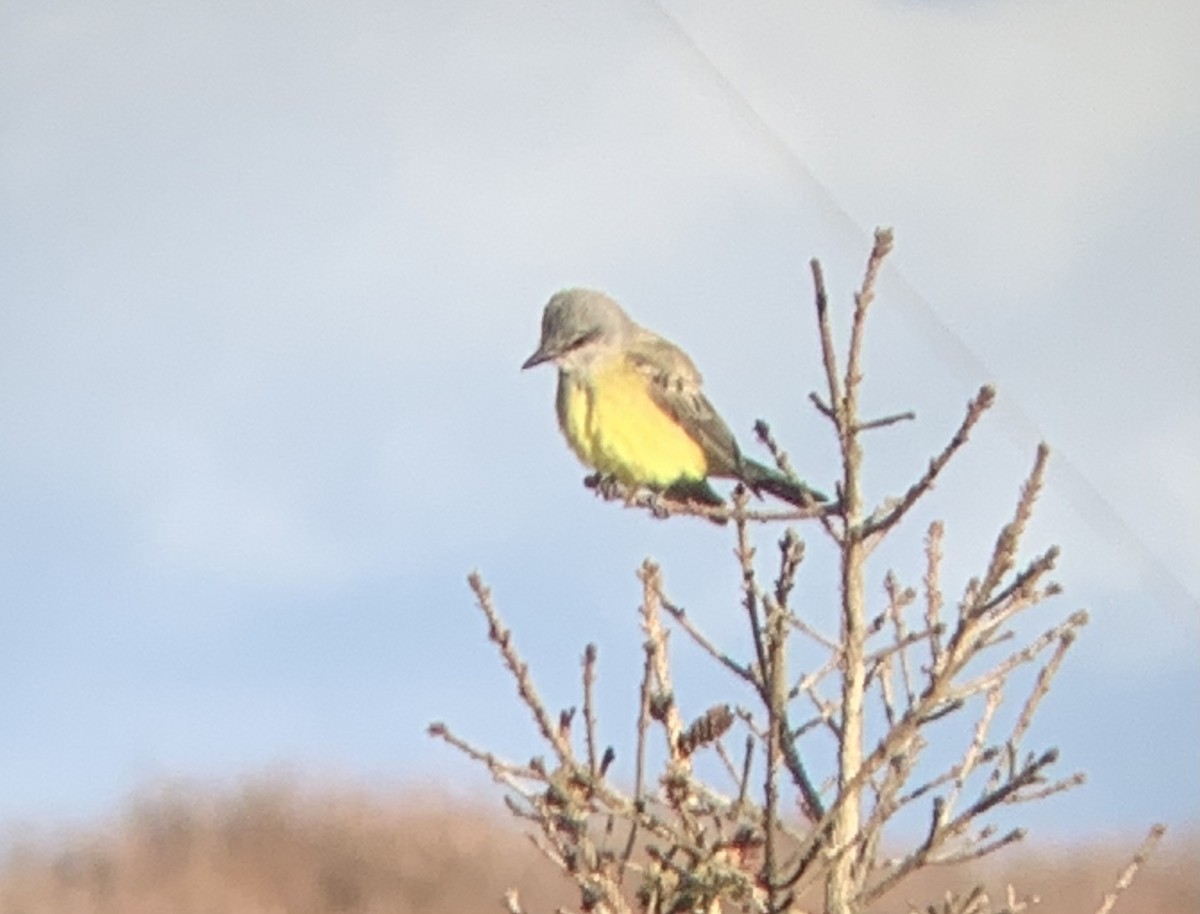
[
  {"x": 658, "y": 505},
  {"x": 607, "y": 487}
]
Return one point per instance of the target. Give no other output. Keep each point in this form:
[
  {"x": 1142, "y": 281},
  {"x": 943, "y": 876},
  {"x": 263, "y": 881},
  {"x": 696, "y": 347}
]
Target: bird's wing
[{"x": 674, "y": 385}]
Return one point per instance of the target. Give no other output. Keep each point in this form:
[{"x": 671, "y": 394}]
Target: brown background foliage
[{"x": 277, "y": 847}]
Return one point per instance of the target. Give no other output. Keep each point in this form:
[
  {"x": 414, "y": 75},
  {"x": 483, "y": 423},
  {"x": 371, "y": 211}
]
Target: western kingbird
[{"x": 630, "y": 405}]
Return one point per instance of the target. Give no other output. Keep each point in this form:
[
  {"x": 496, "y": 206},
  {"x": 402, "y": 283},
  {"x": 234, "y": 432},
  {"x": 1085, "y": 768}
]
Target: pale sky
[{"x": 267, "y": 273}]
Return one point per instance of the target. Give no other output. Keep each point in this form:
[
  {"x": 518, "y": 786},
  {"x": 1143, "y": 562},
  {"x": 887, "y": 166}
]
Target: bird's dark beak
[{"x": 542, "y": 355}]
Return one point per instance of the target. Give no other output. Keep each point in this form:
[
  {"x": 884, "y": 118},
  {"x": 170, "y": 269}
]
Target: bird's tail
[{"x": 762, "y": 478}]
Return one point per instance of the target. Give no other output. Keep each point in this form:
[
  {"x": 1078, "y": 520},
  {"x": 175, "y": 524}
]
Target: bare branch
[
  {"x": 1004, "y": 668},
  {"x": 1022, "y": 587},
  {"x": 1042, "y": 685},
  {"x": 811, "y": 805},
  {"x": 679, "y": 614},
  {"x": 933, "y": 589},
  {"x": 828, "y": 353},
  {"x": 1078, "y": 779},
  {"x": 1004, "y": 555},
  {"x": 512, "y": 902},
  {"x": 750, "y": 594},
  {"x": 775, "y": 676},
  {"x": 898, "y": 601},
  {"x": 975, "y": 409},
  {"x": 862, "y": 301},
  {"x": 980, "y": 850},
  {"x": 663, "y": 506},
  {"x": 639, "y": 783},
  {"x": 791, "y": 554},
  {"x": 822, "y": 407},
  {"x": 821, "y": 511},
  {"x": 502, "y": 638},
  {"x": 589, "y": 711},
  {"x": 1126, "y": 878},
  {"x": 744, "y": 782},
  {"x": 906, "y": 416},
  {"x": 823, "y": 640},
  {"x": 500, "y": 769},
  {"x": 975, "y": 749},
  {"x": 656, "y": 648}
]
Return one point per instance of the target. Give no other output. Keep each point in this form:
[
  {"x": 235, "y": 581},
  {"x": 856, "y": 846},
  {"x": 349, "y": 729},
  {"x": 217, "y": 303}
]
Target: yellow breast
[{"x": 614, "y": 426}]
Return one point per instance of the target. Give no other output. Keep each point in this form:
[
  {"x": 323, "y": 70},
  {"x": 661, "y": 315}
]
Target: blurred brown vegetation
[{"x": 280, "y": 847}]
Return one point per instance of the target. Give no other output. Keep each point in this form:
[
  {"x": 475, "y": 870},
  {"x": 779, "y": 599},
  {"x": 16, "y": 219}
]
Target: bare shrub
[{"x": 778, "y": 831}]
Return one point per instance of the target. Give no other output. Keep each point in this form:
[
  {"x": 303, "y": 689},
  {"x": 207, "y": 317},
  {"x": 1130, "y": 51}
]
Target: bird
[{"x": 631, "y": 406}]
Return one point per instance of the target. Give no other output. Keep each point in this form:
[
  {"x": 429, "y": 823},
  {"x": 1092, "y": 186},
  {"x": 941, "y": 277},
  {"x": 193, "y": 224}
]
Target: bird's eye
[{"x": 590, "y": 337}]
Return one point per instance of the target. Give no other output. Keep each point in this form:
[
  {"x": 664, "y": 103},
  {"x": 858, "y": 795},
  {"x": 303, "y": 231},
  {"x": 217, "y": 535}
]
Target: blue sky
[{"x": 267, "y": 272}]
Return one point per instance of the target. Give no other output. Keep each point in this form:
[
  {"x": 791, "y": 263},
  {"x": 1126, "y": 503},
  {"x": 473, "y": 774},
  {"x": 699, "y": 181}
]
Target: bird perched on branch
[{"x": 630, "y": 406}]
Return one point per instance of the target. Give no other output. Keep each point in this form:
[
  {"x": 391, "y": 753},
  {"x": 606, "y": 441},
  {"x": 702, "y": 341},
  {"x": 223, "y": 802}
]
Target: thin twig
[
  {"x": 910, "y": 638},
  {"x": 679, "y": 614},
  {"x": 906, "y": 416},
  {"x": 589, "y": 711},
  {"x": 1078, "y": 779},
  {"x": 1004, "y": 554},
  {"x": 900, "y": 599},
  {"x": 726, "y": 761},
  {"x": 981, "y": 850},
  {"x": 639, "y": 777},
  {"x": 828, "y": 353},
  {"x": 791, "y": 554},
  {"x": 1001, "y": 670},
  {"x": 763, "y": 432},
  {"x": 776, "y": 678},
  {"x": 825, "y": 641},
  {"x": 1042, "y": 685},
  {"x": 502, "y": 638},
  {"x": 941, "y": 827},
  {"x": 933, "y": 590},
  {"x": 1126, "y": 878},
  {"x": 744, "y": 781},
  {"x": 809, "y": 681},
  {"x": 656, "y": 645},
  {"x": 500, "y": 769},
  {"x": 750, "y": 594},
  {"x": 1022, "y": 586},
  {"x": 975, "y": 410},
  {"x": 822, "y": 407},
  {"x": 862, "y": 301},
  {"x": 975, "y": 749}
]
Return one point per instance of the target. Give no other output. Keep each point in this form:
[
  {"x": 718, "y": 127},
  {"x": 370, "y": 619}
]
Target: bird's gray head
[{"x": 579, "y": 325}]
